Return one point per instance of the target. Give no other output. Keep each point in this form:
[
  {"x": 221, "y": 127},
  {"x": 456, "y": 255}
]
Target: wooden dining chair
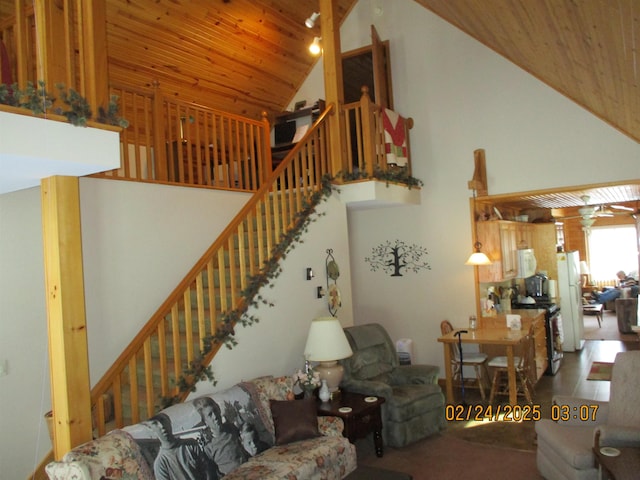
[
  {"x": 523, "y": 363},
  {"x": 469, "y": 359}
]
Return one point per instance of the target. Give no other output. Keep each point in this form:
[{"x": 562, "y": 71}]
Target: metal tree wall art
[{"x": 394, "y": 258}]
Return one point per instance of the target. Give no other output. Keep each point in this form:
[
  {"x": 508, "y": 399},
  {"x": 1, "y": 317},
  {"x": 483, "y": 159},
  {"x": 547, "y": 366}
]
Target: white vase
[{"x": 324, "y": 392}]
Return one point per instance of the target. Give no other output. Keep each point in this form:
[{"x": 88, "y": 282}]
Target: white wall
[
  {"x": 24, "y": 392},
  {"x": 138, "y": 243},
  {"x": 274, "y": 346},
  {"x": 462, "y": 96}
]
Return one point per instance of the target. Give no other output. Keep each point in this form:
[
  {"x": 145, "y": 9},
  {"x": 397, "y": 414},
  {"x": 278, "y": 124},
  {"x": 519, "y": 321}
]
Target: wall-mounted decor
[
  {"x": 333, "y": 293},
  {"x": 392, "y": 259}
]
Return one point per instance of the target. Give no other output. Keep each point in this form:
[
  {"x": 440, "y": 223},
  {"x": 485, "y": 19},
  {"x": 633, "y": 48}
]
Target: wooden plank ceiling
[
  {"x": 242, "y": 56},
  {"x": 249, "y": 56},
  {"x": 585, "y": 49}
]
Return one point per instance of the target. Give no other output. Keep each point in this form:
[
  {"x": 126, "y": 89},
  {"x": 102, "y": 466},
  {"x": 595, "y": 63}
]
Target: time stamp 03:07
[{"x": 519, "y": 413}]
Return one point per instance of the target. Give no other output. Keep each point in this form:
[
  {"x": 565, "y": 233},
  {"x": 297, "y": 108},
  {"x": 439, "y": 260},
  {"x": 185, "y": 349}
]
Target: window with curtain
[{"x": 612, "y": 249}]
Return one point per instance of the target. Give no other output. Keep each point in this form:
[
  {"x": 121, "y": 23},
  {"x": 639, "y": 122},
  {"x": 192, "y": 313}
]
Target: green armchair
[{"x": 414, "y": 403}]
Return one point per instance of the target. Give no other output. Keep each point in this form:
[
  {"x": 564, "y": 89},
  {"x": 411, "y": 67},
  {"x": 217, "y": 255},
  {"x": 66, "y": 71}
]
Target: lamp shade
[
  {"x": 478, "y": 258},
  {"x": 326, "y": 341},
  {"x": 584, "y": 268}
]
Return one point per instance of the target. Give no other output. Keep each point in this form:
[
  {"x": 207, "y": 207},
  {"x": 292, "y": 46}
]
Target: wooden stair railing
[
  {"x": 177, "y": 142},
  {"x": 168, "y": 140},
  {"x": 212, "y": 297},
  {"x": 365, "y": 139}
]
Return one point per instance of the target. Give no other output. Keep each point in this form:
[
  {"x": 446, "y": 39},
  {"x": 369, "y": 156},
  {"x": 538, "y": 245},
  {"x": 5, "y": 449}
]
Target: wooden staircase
[{"x": 171, "y": 352}]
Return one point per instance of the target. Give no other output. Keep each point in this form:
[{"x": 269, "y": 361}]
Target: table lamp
[
  {"x": 584, "y": 273},
  {"x": 327, "y": 343}
]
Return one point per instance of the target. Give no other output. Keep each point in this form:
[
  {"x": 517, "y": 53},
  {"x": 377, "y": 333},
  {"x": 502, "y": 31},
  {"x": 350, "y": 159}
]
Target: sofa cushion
[
  {"x": 294, "y": 420},
  {"x": 270, "y": 388},
  {"x": 329, "y": 458},
  {"x": 115, "y": 455}
]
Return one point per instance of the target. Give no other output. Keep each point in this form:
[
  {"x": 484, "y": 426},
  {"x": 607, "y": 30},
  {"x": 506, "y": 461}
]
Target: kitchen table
[{"x": 501, "y": 336}]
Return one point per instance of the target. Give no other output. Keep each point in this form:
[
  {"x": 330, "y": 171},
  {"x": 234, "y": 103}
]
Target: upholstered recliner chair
[
  {"x": 414, "y": 403},
  {"x": 565, "y": 447}
]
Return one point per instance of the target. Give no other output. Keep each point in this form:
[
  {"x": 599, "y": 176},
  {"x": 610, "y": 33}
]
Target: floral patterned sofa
[{"x": 253, "y": 430}]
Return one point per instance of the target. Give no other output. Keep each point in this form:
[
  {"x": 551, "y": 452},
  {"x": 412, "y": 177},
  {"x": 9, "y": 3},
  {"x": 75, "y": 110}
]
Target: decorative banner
[{"x": 394, "y": 258}]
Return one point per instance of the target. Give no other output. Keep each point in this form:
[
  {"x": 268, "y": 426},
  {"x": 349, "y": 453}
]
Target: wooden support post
[
  {"x": 53, "y": 62},
  {"x": 64, "y": 287},
  {"x": 266, "y": 164},
  {"x": 20, "y": 37},
  {"x": 369, "y": 143},
  {"x": 159, "y": 140},
  {"x": 479, "y": 181},
  {"x": 94, "y": 69},
  {"x": 333, "y": 84},
  {"x": 479, "y": 185}
]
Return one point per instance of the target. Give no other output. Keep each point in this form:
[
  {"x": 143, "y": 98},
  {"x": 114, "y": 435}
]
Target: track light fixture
[
  {"x": 311, "y": 21},
  {"x": 315, "y": 47}
]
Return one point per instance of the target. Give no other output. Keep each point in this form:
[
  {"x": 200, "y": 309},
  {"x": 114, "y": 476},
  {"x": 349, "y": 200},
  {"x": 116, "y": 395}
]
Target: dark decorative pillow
[{"x": 294, "y": 420}]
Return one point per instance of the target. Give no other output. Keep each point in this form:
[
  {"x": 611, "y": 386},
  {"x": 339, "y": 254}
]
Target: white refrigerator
[{"x": 570, "y": 293}]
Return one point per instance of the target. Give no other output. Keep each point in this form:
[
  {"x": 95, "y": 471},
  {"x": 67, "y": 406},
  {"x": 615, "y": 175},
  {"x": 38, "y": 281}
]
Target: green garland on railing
[
  {"x": 78, "y": 111},
  {"x": 225, "y": 333},
  {"x": 396, "y": 175}
]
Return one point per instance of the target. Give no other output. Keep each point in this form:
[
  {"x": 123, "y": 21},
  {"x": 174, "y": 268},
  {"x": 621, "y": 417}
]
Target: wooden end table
[
  {"x": 363, "y": 418},
  {"x": 594, "y": 309},
  {"x": 623, "y": 467}
]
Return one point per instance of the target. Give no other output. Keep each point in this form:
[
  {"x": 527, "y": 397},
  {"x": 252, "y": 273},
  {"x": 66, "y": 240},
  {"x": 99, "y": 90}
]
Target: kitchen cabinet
[
  {"x": 544, "y": 245},
  {"x": 499, "y": 242},
  {"x": 502, "y": 238},
  {"x": 540, "y": 354},
  {"x": 524, "y": 234}
]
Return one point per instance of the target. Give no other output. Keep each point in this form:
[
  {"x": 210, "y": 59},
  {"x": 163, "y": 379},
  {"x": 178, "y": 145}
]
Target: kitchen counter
[{"x": 527, "y": 315}]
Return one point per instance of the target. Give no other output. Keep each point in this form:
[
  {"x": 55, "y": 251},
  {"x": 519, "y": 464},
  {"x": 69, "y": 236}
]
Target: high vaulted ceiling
[
  {"x": 249, "y": 56},
  {"x": 585, "y": 49},
  {"x": 246, "y": 56}
]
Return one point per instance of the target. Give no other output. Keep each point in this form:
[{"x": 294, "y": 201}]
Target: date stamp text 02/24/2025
[{"x": 519, "y": 413}]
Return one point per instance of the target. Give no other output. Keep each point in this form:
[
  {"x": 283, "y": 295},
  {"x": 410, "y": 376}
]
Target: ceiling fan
[{"x": 589, "y": 213}]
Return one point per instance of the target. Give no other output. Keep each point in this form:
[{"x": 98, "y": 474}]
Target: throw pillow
[{"x": 294, "y": 420}]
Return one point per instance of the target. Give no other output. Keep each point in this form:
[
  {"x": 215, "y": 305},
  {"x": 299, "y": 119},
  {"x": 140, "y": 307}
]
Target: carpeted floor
[
  {"x": 444, "y": 456},
  {"x": 517, "y": 436}
]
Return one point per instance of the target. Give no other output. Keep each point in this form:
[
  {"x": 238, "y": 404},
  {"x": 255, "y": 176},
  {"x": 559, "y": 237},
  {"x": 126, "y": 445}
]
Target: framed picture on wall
[{"x": 299, "y": 105}]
